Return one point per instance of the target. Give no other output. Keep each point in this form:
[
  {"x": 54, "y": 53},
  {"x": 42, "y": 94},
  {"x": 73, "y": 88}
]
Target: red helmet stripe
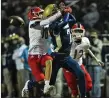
[{"x": 78, "y": 26}]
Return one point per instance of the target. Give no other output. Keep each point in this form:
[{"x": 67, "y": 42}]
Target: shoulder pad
[{"x": 85, "y": 40}]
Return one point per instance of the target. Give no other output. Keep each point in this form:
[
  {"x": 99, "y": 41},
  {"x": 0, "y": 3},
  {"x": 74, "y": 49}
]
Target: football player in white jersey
[
  {"x": 38, "y": 46},
  {"x": 80, "y": 46}
]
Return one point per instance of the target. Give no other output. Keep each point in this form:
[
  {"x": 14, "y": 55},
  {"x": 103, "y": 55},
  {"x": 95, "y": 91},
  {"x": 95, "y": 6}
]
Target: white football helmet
[{"x": 78, "y": 31}]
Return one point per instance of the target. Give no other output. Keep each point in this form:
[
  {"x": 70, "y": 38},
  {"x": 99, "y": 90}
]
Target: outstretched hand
[
  {"x": 100, "y": 63},
  {"x": 67, "y": 10},
  {"x": 64, "y": 8}
]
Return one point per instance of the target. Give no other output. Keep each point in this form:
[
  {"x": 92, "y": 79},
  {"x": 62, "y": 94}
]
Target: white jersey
[
  {"x": 37, "y": 44},
  {"x": 77, "y": 51}
]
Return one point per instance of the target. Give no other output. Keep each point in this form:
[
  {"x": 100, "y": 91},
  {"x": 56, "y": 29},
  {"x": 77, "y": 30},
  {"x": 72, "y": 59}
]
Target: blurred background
[{"x": 93, "y": 14}]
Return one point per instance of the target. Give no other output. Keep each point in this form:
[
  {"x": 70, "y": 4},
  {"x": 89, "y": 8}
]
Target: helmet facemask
[
  {"x": 38, "y": 15},
  {"x": 77, "y": 34}
]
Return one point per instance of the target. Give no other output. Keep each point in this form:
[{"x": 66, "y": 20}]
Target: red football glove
[{"x": 67, "y": 10}]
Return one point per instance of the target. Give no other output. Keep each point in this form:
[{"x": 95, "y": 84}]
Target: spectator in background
[
  {"x": 11, "y": 29},
  {"x": 24, "y": 59},
  {"x": 95, "y": 70},
  {"x": 106, "y": 27},
  {"x": 7, "y": 68},
  {"x": 92, "y": 16},
  {"x": 4, "y": 22},
  {"x": 20, "y": 46}
]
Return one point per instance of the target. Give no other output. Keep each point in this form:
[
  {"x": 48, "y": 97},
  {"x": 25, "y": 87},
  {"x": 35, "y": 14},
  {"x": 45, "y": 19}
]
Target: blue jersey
[{"x": 61, "y": 33}]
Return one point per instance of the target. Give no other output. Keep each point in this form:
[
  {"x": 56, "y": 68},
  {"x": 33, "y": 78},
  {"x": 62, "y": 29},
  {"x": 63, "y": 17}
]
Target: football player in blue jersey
[{"x": 62, "y": 40}]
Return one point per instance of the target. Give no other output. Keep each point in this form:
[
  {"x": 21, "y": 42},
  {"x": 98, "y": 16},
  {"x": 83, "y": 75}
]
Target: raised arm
[
  {"x": 67, "y": 18},
  {"x": 50, "y": 19}
]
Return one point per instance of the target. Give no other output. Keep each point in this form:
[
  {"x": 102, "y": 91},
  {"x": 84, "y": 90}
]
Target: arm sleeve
[
  {"x": 92, "y": 55},
  {"x": 21, "y": 50},
  {"x": 68, "y": 18},
  {"x": 24, "y": 55},
  {"x": 50, "y": 19},
  {"x": 20, "y": 53}
]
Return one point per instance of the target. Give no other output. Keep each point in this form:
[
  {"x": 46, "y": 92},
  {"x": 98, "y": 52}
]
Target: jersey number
[
  {"x": 80, "y": 52},
  {"x": 68, "y": 32}
]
